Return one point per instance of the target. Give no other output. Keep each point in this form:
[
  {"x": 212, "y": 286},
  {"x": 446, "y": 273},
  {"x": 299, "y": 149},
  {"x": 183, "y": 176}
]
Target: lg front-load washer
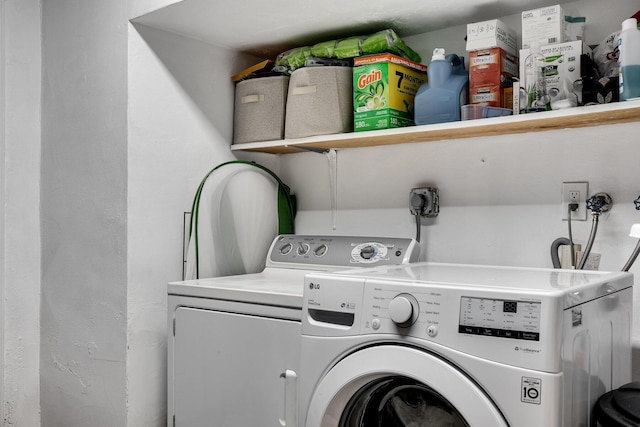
[
  {"x": 460, "y": 345},
  {"x": 234, "y": 342}
]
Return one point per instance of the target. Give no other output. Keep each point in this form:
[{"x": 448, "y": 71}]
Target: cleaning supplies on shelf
[
  {"x": 439, "y": 100},
  {"x": 534, "y": 80},
  {"x": 629, "y": 60},
  {"x": 384, "y": 88},
  {"x": 352, "y": 47}
]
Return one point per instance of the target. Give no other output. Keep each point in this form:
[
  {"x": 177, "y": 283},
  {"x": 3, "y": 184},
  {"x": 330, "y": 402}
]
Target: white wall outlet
[{"x": 575, "y": 192}]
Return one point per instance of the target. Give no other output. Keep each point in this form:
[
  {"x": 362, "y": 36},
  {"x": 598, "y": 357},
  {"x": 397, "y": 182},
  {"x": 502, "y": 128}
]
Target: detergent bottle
[
  {"x": 439, "y": 100},
  {"x": 629, "y": 60}
]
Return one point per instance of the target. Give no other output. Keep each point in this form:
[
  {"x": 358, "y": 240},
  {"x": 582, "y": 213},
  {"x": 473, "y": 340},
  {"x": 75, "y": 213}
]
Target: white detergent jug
[{"x": 629, "y": 60}]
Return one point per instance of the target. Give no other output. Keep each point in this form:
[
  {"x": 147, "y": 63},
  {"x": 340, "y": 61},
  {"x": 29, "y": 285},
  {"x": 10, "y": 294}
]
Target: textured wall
[
  {"x": 180, "y": 113},
  {"x": 84, "y": 223},
  {"x": 20, "y": 91}
]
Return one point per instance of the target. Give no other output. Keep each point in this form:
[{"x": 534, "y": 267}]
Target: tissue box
[
  {"x": 563, "y": 72},
  {"x": 319, "y": 102},
  {"x": 491, "y": 34},
  {"x": 384, "y": 89},
  {"x": 260, "y": 109},
  {"x": 546, "y": 25},
  {"x": 491, "y": 73}
]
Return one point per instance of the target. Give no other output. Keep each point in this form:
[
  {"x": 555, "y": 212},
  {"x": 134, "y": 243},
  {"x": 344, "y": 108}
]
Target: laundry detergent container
[
  {"x": 320, "y": 101},
  {"x": 618, "y": 408},
  {"x": 260, "y": 105}
]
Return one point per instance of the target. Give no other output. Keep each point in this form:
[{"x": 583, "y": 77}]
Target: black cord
[{"x": 571, "y": 207}]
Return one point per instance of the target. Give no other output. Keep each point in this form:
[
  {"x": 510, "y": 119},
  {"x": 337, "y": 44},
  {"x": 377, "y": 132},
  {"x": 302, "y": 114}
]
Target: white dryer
[
  {"x": 461, "y": 345},
  {"x": 234, "y": 342}
]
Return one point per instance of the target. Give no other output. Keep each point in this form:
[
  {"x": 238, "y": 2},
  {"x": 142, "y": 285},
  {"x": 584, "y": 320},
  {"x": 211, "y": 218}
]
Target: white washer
[
  {"x": 234, "y": 342},
  {"x": 461, "y": 345}
]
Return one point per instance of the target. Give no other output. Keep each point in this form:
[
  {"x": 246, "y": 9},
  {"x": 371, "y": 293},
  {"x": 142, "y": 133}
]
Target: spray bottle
[
  {"x": 629, "y": 60},
  {"x": 439, "y": 100}
]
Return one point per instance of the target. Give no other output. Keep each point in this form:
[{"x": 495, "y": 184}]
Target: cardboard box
[
  {"x": 490, "y": 34},
  {"x": 491, "y": 73},
  {"x": 562, "y": 70},
  {"x": 384, "y": 88},
  {"x": 546, "y": 25},
  {"x": 492, "y": 95}
]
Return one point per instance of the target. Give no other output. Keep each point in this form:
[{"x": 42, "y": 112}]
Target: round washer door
[{"x": 399, "y": 386}]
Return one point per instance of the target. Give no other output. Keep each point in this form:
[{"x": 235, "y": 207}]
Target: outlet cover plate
[{"x": 582, "y": 188}]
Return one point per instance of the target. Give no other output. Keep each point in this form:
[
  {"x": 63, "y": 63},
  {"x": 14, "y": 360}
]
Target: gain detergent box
[{"x": 384, "y": 87}]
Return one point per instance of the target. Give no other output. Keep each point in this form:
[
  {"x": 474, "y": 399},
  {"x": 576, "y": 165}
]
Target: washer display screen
[{"x": 500, "y": 318}]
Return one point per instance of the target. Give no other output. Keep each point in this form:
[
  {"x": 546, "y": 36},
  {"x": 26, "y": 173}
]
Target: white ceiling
[{"x": 267, "y": 27}]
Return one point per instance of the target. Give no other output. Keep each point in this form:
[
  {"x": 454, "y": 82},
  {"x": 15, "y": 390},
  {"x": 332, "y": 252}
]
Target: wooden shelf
[{"x": 596, "y": 115}]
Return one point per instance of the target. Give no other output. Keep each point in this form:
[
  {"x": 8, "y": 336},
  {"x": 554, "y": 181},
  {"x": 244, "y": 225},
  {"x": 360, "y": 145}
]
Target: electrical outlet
[
  {"x": 424, "y": 201},
  {"x": 575, "y": 192}
]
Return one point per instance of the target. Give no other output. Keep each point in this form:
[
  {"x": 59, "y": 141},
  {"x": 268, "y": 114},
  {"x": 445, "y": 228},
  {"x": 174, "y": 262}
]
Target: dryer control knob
[
  {"x": 403, "y": 310},
  {"x": 368, "y": 252}
]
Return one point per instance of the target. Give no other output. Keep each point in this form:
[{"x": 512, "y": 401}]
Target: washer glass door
[
  {"x": 399, "y": 401},
  {"x": 398, "y": 386}
]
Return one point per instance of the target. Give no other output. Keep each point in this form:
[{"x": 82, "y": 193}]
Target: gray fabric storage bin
[
  {"x": 260, "y": 109},
  {"x": 320, "y": 102}
]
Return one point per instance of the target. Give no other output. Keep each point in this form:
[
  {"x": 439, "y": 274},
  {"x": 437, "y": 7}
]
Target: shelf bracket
[
  {"x": 311, "y": 149},
  {"x": 332, "y": 157}
]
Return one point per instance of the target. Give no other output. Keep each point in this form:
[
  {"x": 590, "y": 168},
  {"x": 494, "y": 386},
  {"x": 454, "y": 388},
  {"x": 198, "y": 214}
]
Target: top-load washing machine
[
  {"x": 461, "y": 345},
  {"x": 234, "y": 342}
]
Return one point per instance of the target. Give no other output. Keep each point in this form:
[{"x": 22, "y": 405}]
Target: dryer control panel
[{"x": 293, "y": 250}]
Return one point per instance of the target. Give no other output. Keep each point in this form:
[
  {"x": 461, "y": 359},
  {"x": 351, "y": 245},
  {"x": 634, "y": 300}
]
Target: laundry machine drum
[
  {"x": 388, "y": 385},
  {"x": 399, "y": 402}
]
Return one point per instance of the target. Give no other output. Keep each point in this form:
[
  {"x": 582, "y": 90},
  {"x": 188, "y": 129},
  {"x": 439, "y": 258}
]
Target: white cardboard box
[
  {"x": 490, "y": 34},
  {"x": 562, "y": 68},
  {"x": 546, "y": 25}
]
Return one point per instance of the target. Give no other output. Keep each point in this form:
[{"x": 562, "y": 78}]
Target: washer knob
[
  {"x": 286, "y": 248},
  {"x": 320, "y": 250},
  {"x": 367, "y": 252},
  {"x": 303, "y": 249},
  {"x": 403, "y": 310}
]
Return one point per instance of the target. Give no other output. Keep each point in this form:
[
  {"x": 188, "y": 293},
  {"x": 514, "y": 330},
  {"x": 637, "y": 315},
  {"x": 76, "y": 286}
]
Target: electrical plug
[{"x": 417, "y": 202}]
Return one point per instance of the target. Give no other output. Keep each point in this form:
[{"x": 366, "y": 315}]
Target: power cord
[
  {"x": 417, "y": 205},
  {"x": 572, "y": 207}
]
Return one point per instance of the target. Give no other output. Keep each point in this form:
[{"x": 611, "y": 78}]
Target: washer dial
[
  {"x": 303, "y": 249},
  {"x": 369, "y": 252},
  {"x": 404, "y": 310},
  {"x": 286, "y": 248},
  {"x": 320, "y": 250}
]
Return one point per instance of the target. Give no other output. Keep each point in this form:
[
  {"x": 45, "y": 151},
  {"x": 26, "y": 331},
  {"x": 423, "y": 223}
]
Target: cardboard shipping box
[
  {"x": 490, "y": 34},
  {"x": 491, "y": 73},
  {"x": 546, "y": 25}
]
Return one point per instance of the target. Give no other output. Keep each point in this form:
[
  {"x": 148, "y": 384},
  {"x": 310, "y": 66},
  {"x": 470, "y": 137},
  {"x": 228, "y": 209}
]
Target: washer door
[{"x": 395, "y": 386}]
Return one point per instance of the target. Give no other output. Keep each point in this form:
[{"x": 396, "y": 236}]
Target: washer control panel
[{"x": 346, "y": 251}]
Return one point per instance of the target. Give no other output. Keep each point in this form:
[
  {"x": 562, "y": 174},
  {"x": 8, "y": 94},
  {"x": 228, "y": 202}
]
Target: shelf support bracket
[
  {"x": 311, "y": 149},
  {"x": 332, "y": 157}
]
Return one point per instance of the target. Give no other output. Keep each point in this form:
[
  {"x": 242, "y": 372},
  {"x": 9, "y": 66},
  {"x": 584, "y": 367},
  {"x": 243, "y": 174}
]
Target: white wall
[
  {"x": 84, "y": 213},
  {"x": 180, "y": 111},
  {"x": 20, "y": 91}
]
